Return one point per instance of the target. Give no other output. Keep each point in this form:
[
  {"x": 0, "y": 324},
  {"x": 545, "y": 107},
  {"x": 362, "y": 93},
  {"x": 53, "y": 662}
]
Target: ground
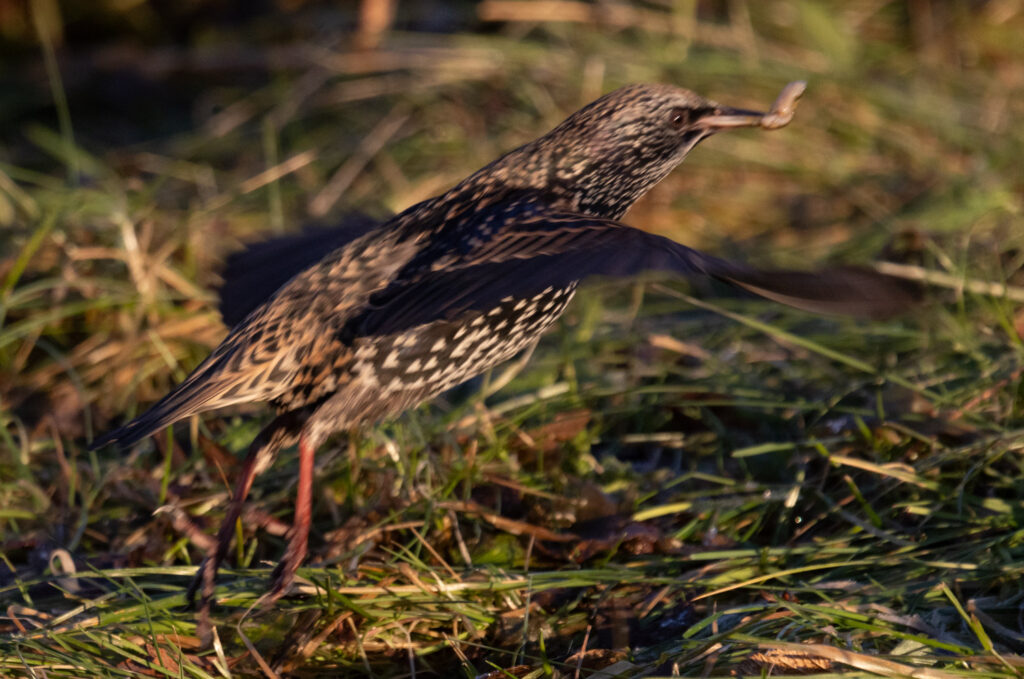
[{"x": 679, "y": 483}]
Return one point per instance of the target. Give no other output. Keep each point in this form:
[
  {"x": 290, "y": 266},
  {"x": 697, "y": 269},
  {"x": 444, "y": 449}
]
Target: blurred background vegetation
[{"x": 142, "y": 141}]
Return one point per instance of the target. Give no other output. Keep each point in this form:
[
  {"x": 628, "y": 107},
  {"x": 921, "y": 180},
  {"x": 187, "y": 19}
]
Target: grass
[{"x": 674, "y": 486}]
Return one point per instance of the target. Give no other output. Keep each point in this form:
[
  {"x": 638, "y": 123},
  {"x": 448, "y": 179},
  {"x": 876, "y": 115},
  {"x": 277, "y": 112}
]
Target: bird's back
[{"x": 280, "y": 351}]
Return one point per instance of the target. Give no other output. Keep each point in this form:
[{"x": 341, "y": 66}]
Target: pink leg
[
  {"x": 206, "y": 576},
  {"x": 284, "y": 574},
  {"x": 261, "y": 453}
]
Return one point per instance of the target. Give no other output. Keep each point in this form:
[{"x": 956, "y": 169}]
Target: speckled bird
[{"x": 338, "y": 329}]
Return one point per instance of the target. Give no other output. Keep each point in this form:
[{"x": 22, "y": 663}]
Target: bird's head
[{"x": 612, "y": 151}]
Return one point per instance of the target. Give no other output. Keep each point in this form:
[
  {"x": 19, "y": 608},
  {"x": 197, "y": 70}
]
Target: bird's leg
[
  {"x": 205, "y": 579},
  {"x": 298, "y": 539},
  {"x": 261, "y": 454}
]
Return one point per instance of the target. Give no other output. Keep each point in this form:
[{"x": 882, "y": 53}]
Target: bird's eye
[{"x": 679, "y": 118}]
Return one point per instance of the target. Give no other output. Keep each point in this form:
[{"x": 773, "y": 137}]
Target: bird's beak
[{"x": 723, "y": 117}]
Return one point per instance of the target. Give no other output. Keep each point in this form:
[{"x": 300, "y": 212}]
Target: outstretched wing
[
  {"x": 555, "y": 249},
  {"x": 383, "y": 284}
]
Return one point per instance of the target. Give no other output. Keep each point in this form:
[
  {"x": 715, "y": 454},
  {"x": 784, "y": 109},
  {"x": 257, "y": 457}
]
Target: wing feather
[{"x": 557, "y": 249}]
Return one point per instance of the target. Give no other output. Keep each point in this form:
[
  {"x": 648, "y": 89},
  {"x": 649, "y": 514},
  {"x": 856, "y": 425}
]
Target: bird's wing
[
  {"x": 556, "y": 249},
  {"x": 251, "y": 275}
]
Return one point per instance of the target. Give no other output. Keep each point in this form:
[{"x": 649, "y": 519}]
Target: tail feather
[
  {"x": 164, "y": 413},
  {"x": 188, "y": 398},
  {"x": 150, "y": 422}
]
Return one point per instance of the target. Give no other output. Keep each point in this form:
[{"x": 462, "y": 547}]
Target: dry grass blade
[
  {"x": 861, "y": 661},
  {"x": 951, "y": 281}
]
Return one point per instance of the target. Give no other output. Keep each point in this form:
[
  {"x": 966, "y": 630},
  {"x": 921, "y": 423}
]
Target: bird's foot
[
  {"x": 204, "y": 582},
  {"x": 284, "y": 575}
]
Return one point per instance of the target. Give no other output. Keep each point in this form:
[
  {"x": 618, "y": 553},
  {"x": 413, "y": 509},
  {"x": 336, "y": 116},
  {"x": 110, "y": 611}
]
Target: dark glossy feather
[{"x": 554, "y": 250}]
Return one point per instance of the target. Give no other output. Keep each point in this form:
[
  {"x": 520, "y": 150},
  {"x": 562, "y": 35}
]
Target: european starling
[{"x": 338, "y": 329}]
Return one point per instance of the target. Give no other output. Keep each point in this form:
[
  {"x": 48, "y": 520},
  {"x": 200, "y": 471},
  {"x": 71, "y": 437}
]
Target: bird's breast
[{"x": 439, "y": 355}]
